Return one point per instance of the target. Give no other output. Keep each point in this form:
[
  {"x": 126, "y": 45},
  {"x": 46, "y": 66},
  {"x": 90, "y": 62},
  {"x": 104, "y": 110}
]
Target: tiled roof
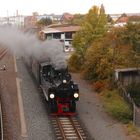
[
  {"x": 68, "y": 28},
  {"x": 123, "y": 19},
  {"x": 127, "y": 69},
  {"x": 50, "y": 30},
  {"x": 61, "y": 29}
]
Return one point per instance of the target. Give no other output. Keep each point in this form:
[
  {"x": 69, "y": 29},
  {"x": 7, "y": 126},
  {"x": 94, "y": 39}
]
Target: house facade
[{"x": 64, "y": 33}]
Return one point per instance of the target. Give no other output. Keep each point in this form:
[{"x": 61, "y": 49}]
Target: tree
[
  {"x": 109, "y": 19},
  {"x": 77, "y": 19},
  {"x": 134, "y": 18},
  {"x": 131, "y": 36},
  {"x": 44, "y": 22},
  {"x": 98, "y": 61},
  {"x": 93, "y": 28}
]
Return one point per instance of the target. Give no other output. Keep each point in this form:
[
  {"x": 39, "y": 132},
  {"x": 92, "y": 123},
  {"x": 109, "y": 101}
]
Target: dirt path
[{"x": 98, "y": 123}]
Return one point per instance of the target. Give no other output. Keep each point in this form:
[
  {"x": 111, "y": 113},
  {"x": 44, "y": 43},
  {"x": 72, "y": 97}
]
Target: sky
[{"x": 27, "y": 7}]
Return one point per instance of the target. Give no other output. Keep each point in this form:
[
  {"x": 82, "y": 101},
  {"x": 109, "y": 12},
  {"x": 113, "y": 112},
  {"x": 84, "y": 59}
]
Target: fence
[{"x": 129, "y": 100}]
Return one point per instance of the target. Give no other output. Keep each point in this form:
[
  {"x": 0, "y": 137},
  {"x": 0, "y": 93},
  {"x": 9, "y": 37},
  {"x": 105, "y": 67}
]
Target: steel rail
[
  {"x": 3, "y": 53},
  {"x": 76, "y": 129},
  {"x": 1, "y": 124},
  {"x": 68, "y": 128},
  {"x": 1, "y": 119},
  {"x": 61, "y": 128}
]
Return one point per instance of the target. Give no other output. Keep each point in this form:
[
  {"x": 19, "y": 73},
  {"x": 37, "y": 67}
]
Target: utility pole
[{"x": 7, "y": 17}]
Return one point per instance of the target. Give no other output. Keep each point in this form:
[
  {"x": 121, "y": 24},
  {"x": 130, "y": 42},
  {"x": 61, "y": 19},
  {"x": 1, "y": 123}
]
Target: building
[
  {"x": 13, "y": 21},
  {"x": 127, "y": 75},
  {"x": 61, "y": 32},
  {"x": 66, "y": 17}
]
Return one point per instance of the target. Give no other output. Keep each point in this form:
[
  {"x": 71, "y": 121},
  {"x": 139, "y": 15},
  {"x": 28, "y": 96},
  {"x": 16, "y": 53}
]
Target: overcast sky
[{"x": 26, "y": 7}]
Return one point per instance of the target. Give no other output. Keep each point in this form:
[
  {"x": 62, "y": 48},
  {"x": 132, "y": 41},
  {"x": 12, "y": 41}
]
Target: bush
[
  {"x": 98, "y": 86},
  {"x": 74, "y": 63},
  {"x": 116, "y": 106}
]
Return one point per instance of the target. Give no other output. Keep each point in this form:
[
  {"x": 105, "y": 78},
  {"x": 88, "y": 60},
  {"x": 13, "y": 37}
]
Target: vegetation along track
[{"x": 68, "y": 128}]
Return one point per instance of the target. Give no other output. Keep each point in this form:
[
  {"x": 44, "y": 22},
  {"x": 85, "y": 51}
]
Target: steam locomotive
[{"x": 58, "y": 88}]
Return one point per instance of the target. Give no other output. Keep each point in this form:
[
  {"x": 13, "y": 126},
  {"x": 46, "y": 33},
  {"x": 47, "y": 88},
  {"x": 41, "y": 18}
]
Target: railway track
[
  {"x": 68, "y": 128},
  {"x": 3, "y": 53},
  {"x": 1, "y": 124},
  {"x": 4, "y": 133}
]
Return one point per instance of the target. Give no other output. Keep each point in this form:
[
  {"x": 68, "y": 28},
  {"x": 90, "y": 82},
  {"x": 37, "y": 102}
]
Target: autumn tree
[
  {"x": 131, "y": 36},
  {"x": 77, "y": 19},
  {"x": 104, "y": 56},
  {"x": 44, "y": 22},
  {"x": 93, "y": 27},
  {"x": 98, "y": 60},
  {"x": 109, "y": 19}
]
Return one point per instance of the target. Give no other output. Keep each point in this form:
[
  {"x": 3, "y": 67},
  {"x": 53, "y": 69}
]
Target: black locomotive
[{"x": 62, "y": 93}]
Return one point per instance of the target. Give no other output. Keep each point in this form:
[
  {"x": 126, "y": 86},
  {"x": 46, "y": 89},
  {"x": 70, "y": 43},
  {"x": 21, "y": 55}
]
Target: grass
[
  {"x": 133, "y": 131},
  {"x": 116, "y": 106}
]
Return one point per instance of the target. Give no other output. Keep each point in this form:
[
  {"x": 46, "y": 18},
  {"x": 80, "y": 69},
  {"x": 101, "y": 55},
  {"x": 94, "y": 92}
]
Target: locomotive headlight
[
  {"x": 64, "y": 81},
  {"x": 52, "y": 96},
  {"x": 76, "y": 95}
]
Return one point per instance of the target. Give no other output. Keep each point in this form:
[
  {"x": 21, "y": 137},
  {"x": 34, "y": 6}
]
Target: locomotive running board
[{"x": 44, "y": 92}]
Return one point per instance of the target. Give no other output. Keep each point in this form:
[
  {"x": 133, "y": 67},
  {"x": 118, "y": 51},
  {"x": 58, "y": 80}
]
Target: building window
[
  {"x": 68, "y": 35},
  {"x": 57, "y": 36}
]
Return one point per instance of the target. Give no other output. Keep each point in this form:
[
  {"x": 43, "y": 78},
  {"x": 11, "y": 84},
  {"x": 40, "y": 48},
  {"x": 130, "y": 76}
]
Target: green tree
[
  {"x": 131, "y": 36},
  {"x": 44, "y": 22},
  {"x": 93, "y": 28},
  {"x": 77, "y": 19},
  {"x": 134, "y": 19},
  {"x": 98, "y": 61},
  {"x": 109, "y": 19}
]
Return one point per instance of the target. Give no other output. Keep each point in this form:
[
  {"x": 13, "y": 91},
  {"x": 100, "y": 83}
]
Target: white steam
[{"x": 22, "y": 44}]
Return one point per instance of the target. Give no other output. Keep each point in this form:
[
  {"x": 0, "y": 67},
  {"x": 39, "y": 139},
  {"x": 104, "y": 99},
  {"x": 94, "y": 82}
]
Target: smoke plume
[{"x": 27, "y": 44}]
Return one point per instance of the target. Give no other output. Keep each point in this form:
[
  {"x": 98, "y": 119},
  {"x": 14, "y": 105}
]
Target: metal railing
[{"x": 130, "y": 101}]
